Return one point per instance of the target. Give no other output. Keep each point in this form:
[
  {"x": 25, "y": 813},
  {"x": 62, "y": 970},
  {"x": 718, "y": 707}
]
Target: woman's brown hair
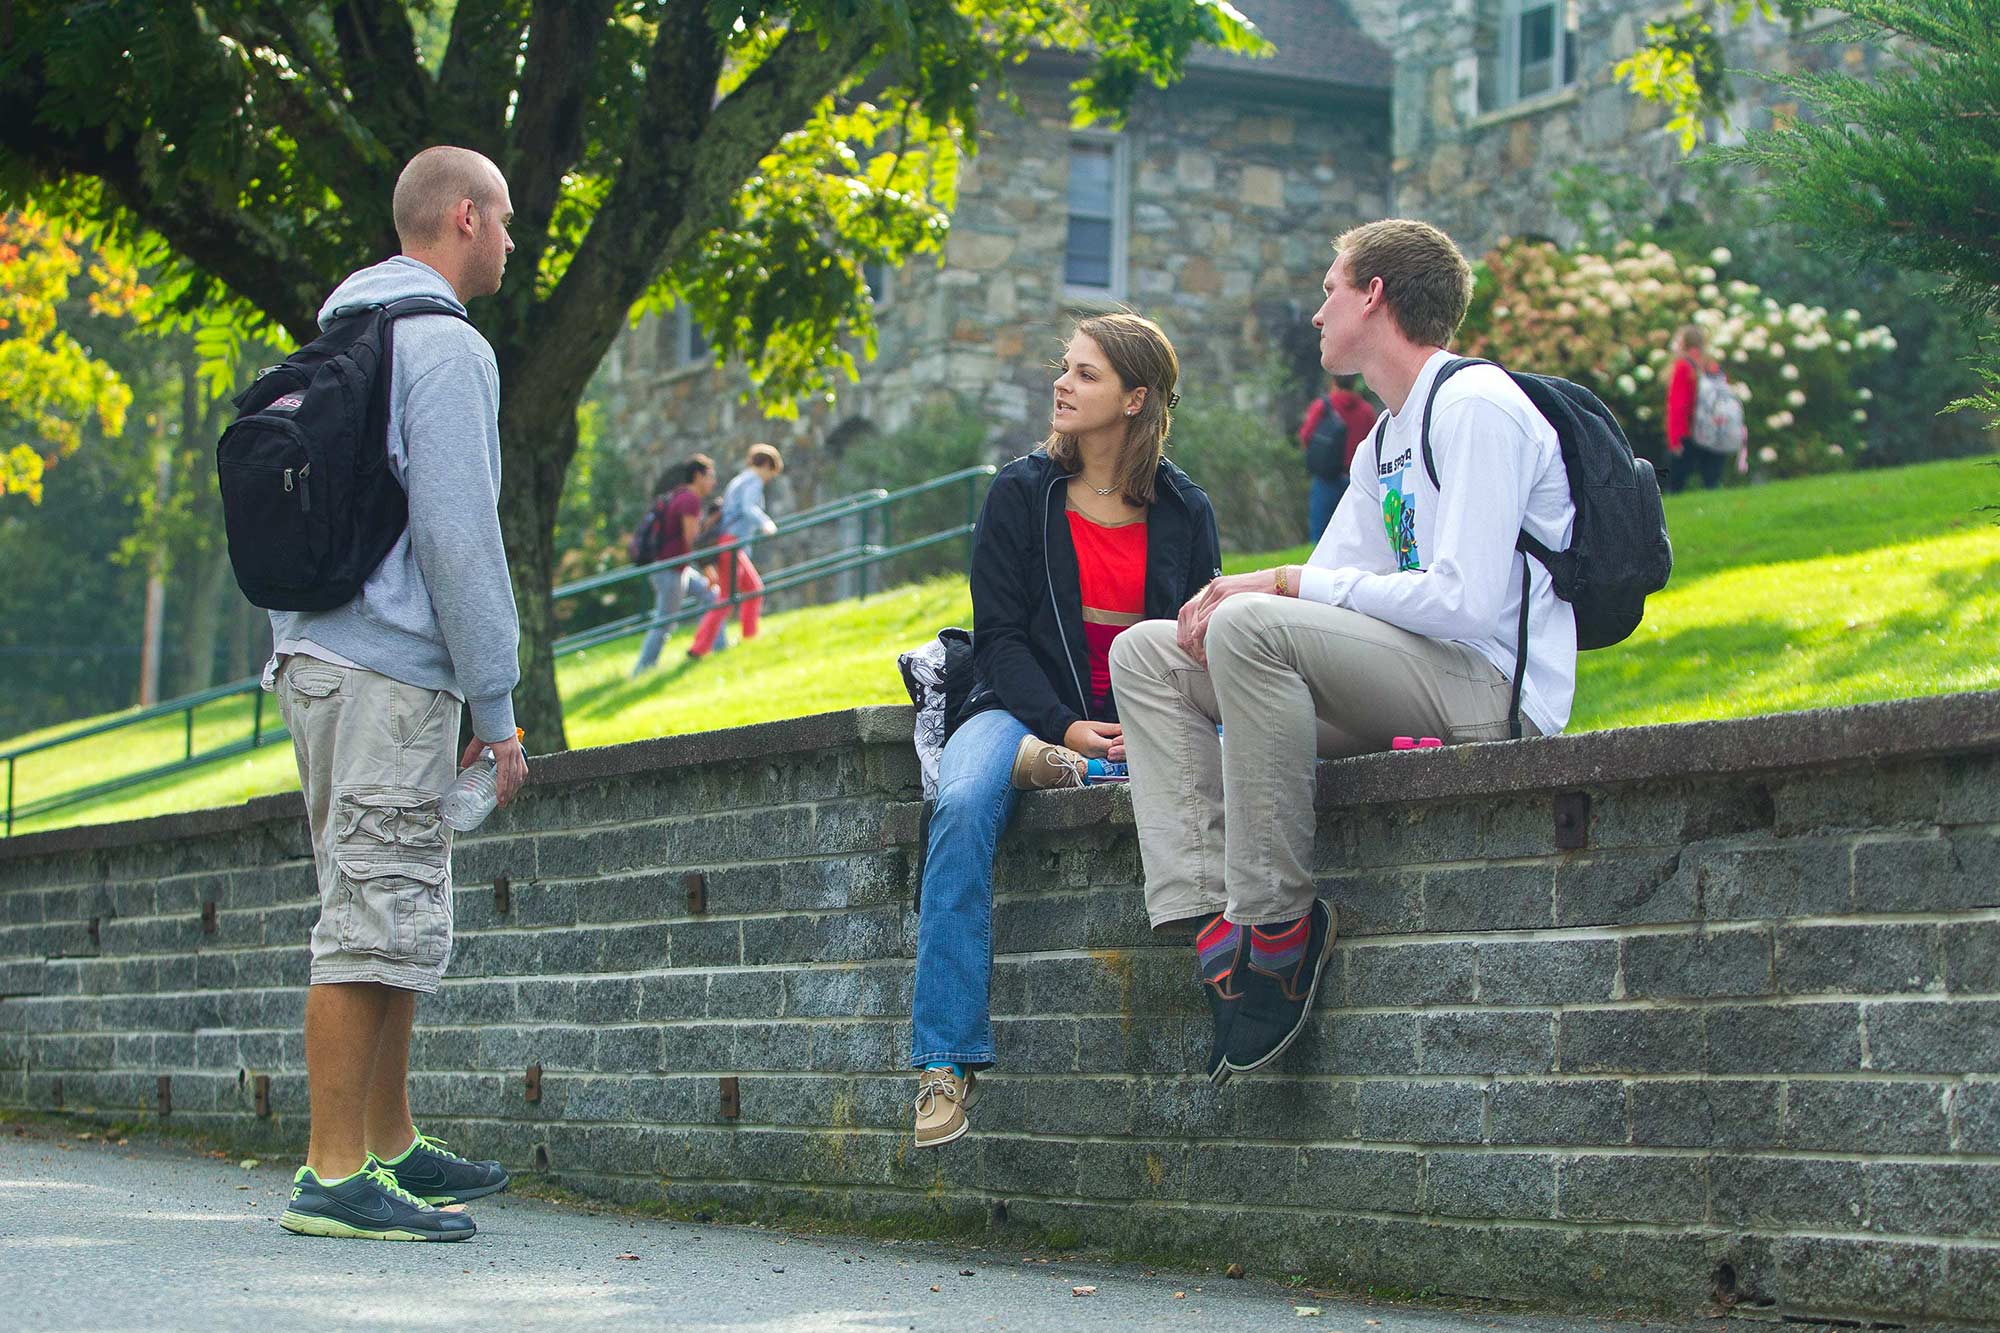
[{"x": 1140, "y": 355}]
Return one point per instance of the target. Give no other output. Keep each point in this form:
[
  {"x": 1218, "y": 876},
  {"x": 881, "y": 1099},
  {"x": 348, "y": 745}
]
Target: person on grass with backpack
[
  {"x": 1402, "y": 622},
  {"x": 669, "y": 530},
  {"x": 1704, "y": 416},
  {"x": 371, "y": 689},
  {"x": 1332, "y": 430}
]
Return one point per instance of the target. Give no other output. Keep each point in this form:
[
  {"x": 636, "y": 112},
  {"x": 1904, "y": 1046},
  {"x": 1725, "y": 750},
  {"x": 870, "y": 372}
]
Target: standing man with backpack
[
  {"x": 1407, "y": 620},
  {"x": 669, "y": 530},
  {"x": 370, "y": 685},
  {"x": 1333, "y": 429}
]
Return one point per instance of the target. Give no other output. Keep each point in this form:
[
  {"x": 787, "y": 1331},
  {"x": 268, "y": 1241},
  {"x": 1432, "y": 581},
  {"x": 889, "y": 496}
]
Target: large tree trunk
[{"x": 538, "y": 436}]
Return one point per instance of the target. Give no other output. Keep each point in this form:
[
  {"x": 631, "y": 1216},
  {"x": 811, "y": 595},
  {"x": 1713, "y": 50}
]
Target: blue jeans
[
  {"x": 1324, "y": 500},
  {"x": 950, "y": 1018},
  {"x": 670, "y": 588}
]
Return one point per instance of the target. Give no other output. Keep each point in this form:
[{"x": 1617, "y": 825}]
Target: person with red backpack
[
  {"x": 1334, "y": 426},
  {"x": 667, "y": 531}
]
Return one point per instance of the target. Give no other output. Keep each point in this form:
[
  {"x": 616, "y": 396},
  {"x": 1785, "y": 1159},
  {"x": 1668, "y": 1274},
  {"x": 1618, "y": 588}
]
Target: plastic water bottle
[
  {"x": 466, "y": 803},
  {"x": 1097, "y": 772}
]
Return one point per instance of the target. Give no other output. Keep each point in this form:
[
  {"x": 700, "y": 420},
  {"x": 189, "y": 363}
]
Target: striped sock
[
  {"x": 1279, "y": 945},
  {"x": 1216, "y": 946}
]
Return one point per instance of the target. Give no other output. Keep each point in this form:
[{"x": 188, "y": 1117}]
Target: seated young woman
[{"x": 1092, "y": 532}]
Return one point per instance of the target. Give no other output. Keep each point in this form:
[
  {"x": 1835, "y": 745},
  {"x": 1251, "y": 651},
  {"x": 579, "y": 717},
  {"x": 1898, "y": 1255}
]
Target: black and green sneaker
[
  {"x": 434, "y": 1175},
  {"x": 368, "y": 1205}
]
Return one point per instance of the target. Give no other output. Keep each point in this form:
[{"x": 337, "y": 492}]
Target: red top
[
  {"x": 1356, "y": 411},
  {"x": 1681, "y": 387},
  {"x": 1111, "y": 572}
]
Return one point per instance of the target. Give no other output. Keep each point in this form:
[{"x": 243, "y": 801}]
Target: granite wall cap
[{"x": 1897, "y": 729}]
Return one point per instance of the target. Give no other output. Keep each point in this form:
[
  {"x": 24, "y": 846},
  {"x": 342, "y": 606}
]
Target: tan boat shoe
[
  {"x": 1038, "y": 764},
  {"x": 942, "y": 1100}
]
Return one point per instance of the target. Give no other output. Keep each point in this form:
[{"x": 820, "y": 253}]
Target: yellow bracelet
[{"x": 1282, "y": 590}]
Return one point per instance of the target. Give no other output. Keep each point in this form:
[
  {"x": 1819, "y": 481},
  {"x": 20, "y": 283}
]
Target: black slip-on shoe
[
  {"x": 1280, "y": 977},
  {"x": 1220, "y": 960}
]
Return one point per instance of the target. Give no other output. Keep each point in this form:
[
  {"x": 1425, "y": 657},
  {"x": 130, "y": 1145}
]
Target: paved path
[{"x": 146, "y": 1236}]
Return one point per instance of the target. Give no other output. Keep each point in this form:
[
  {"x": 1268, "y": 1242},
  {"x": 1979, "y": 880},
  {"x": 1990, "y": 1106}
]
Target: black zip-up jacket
[{"x": 1029, "y": 653}]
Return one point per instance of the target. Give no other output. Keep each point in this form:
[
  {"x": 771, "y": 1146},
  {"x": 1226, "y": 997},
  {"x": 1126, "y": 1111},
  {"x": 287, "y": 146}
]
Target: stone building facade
[
  {"x": 1211, "y": 211},
  {"x": 1495, "y": 98}
]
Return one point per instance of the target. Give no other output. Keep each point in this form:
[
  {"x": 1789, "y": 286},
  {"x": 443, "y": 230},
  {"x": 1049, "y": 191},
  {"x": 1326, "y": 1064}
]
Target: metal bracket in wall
[
  {"x": 503, "y": 896},
  {"x": 55, "y": 1094},
  {"x": 166, "y": 1095},
  {"x": 263, "y": 1089},
  {"x": 697, "y": 887},
  {"x": 208, "y": 918},
  {"x": 534, "y": 1083},
  {"x": 732, "y": 1099},
  {"x": 1572, "y": 811}
]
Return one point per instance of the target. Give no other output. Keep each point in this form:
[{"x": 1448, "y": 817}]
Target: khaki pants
[
  {"x": 374, "y": 756},
  {"x": 1226, "y": 823}
]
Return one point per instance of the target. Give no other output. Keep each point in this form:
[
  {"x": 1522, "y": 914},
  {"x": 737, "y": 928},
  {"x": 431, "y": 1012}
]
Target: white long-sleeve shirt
[{"x": 1444, "y": 565}]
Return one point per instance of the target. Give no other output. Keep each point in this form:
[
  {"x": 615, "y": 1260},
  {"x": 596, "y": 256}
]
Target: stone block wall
[
  {"x": 1483, "y": 174},
  {"x": 1673, "y": 1016}
]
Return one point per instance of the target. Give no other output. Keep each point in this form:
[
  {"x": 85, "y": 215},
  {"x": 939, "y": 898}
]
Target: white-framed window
[
  {"x": 1528, "y": 50},
  {"x": 1094, "y": 248}
]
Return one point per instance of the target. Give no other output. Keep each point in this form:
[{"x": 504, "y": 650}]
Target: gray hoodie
[{"x": 439, "y": 611}]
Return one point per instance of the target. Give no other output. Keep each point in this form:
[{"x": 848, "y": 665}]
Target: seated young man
[{"x": 1403, "y": 622}]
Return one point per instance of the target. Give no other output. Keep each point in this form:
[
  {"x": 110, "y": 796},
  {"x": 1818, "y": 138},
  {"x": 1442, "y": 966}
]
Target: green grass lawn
[{"x": 1802, "y": 594}]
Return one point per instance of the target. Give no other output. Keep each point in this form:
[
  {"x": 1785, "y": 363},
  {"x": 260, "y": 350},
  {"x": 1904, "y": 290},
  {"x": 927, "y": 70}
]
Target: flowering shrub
[{"x": 1607, "y": 322}]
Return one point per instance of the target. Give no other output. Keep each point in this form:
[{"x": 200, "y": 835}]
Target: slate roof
[{"x": 1317, "y": 41}]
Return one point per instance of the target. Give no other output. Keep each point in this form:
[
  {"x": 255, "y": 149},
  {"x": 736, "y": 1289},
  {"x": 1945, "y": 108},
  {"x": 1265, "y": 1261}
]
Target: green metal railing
[{"x": 872, "y": 509}]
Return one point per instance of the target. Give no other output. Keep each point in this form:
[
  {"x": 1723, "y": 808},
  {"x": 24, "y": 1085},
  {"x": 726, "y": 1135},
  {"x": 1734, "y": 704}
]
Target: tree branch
[
  {"x": 681, "y": 168},
  {"x": 308, "y": 108},
  {"x": 220, "y": 240},
  {"x": 469, "y": 107},
  {"x": 548, "y": 126},
  {"x": 378, "y": 54}
]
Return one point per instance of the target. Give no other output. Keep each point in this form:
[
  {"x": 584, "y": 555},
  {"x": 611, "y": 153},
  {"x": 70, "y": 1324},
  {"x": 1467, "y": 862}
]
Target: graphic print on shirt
[{"x": 1399, "y": 510}]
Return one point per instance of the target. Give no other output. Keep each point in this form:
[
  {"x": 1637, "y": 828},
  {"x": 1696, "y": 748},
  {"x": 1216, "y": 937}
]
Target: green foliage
[
  {"x": 51, "y": 386},
  {"x": 69, "y": 620},
  {"x": 1903, "y": 169},
  {"x": 943, "y": 438},
  {"x": 1680, "y": 63},
  {"x": 1255, "y": 475},
  {"x": 1899, "y": 170}
]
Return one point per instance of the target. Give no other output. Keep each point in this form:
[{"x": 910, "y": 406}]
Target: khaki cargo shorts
[{"x": 374, "y": 756}]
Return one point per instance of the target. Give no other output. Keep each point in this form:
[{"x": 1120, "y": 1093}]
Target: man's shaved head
[{"x": 433, "y": 183}]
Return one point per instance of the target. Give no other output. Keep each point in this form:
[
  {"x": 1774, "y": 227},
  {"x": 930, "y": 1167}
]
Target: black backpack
[
  {"x": 1619, "y": 552},
  {"x": 309, "y": 501},
  {"x": 1326, "y": 447},
  {"x": 650, "y": 535}
]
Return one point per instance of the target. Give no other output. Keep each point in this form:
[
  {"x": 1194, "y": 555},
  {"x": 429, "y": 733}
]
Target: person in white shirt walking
[{"x": 1404, "y": 621}]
